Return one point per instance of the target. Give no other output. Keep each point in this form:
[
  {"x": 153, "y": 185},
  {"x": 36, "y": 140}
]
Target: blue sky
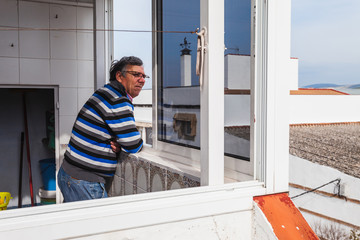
[
  {"x": 133, "y": 17},
  {"x": 178, "y": 16},
  {"x": 326, "y": 39}
]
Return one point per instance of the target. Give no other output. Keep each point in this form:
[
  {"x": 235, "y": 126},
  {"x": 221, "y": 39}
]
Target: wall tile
[
  {"x": 83, "y": 96},
  {"x": 129, "y": 188},
  {"x": 175, "y": 185},
  {"x": 68, "y": 101},
  {"x": 142, "y": 176},
  {"x": 129, "y": 173},
  {"x": 85, "y": 73},
  {"x": 63, "y": 45},
  {"x": 65, "y": 124},
  {"x": 157, "y": 178},
  {"x": 62, "y": 17},
  {"x": 85, "y": 44},
  {"x": 9, "y": 71},
  {"x": 32, "y": 14},
  {"x": 140, "y": 190},
  {"x": 64, "y": 73},
  {"x": 84, "y": 18},
  {"x": 174, "y": 180},
  {"x": 157, "y": 184},
  {"x": 9, "y": 44},
  {"x": 34, "y": 44},
  {"x": 116, "y": 187},
  {"x": 8, "y": 13},
  {"x": 34, "y": 71}
]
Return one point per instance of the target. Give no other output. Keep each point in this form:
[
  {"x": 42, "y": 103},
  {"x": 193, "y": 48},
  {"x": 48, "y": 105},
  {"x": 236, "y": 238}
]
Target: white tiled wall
[
  {"x": 9, "y": 70},
  {"x": 64, "y": 73},
  {"x": 68, "y": 103},
  {"x": 8, "y": 13},
  {"x": 9, "y": 44},
  {"x": 85, "y": 45},
  {"x": 84, "y": 18},
  {"x": 85, "y": 73},
  {"x": 33, "y": 14},
  {"x": 65, "y": 124},
  {"x": 57, "y": 51},
  {"x": 63, "y": 44},
  {"x": 34, "y": 71},
  {"x": 34, "y": 44},
  {"x": 62, "y": 17},
  {"x": 83, "y": 96}
]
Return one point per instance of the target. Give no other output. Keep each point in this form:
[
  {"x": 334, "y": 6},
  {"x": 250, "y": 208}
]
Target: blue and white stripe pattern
[{"x": 107, "y": 115}]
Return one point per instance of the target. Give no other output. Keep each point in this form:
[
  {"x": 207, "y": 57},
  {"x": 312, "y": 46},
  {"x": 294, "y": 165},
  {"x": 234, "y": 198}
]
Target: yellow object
[{"x": 4, "y": 200}]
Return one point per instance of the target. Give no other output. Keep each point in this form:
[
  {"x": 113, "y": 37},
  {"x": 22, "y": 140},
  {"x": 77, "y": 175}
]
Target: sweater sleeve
[
  {"x": 124, "y": 128},
  {"x": 118, "y": 114}
]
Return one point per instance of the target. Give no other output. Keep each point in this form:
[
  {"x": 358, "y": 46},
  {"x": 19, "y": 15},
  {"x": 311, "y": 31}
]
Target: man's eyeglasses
[{"x": 138, "y": 74}]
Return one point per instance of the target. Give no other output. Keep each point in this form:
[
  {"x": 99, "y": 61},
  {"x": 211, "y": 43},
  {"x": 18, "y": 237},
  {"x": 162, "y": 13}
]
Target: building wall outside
[
  {"x": 312, "y": 175},
  {"x": 324, "y": 108}
]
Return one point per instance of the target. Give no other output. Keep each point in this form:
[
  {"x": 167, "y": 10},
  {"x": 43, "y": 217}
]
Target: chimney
[{"x": 185, "y": 64}]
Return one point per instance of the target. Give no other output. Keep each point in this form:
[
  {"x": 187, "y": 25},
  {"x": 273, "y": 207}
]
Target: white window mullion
[{"x": 212, "y": 94}]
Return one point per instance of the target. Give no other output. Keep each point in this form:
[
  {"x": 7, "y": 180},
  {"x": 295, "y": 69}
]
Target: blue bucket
[{"x": 47, "y": 167}]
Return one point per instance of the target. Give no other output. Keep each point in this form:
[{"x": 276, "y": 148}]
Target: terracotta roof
[
  {"x": 334, "y": 145},
  {"x": 285, "y": 218},
  {"x": 316, "y": 91}
]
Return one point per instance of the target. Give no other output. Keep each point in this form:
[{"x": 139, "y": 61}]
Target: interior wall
[
  {"x": 12, "y": 120},
  {"x": 49, "y": 43}
]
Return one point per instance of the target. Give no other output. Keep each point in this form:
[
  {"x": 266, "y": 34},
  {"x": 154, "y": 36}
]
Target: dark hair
[{"x": 121, "y": 65}]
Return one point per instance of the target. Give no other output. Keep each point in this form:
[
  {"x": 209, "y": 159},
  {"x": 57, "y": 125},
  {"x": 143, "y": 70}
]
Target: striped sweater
[{"x": 106, "y": 116}]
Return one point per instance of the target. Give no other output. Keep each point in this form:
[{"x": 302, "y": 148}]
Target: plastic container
[
  {"x": 47, "y": 197},
  {"x": 4, "y": 200},
  {"x": 47, "y": 167}
]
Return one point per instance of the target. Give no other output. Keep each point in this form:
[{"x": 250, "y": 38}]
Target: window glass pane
[
  {"x": 133, "y": 37},
  {"x": 237, "y": 78},
  {"x": 179, "y": 92}
]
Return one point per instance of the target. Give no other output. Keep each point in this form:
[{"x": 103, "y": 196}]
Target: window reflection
[
  {"x": 237, "y": 78},
  {"x": 179, "y": 93}
]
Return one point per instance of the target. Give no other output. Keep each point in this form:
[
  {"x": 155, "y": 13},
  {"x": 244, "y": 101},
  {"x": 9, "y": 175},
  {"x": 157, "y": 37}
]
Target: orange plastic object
[{"x": 284, "y": 217}]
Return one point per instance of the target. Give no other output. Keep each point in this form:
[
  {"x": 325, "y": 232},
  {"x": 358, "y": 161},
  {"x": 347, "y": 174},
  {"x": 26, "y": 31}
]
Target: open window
[
  {"x": 179, "y": 94},
  {"x": 268, "y": 151}
]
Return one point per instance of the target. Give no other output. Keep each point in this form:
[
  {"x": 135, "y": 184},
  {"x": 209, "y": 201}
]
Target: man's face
[{"x": 132, "y": 83}]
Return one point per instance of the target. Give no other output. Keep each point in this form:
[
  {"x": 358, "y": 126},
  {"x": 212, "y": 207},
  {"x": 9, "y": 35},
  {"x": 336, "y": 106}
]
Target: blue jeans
[{"x": 77, "y": 190}]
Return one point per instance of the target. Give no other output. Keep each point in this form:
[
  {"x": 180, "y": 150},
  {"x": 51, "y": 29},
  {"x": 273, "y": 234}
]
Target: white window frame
[
  {"x": 213, "y": 131},
  {"x": 81, "y": 219}
]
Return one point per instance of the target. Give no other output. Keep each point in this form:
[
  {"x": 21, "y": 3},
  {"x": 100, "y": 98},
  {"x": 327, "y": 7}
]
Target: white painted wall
[
  {"x": 324, "y": 108},
  {"x": 312, "y": 175},
  {"x": 212, "y": 212},
  {"x": 237, "y": 110},
  {"x": 293, "y": 79},
  {"x": 185, "y": 70},
  {"x": 237, "y": 107},
  {"x": 237, "y": 72}
]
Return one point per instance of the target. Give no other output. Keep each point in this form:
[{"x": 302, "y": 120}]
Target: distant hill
[
  {"x": 322, "y": 85},
  {"x": 353, "y": 89},
  {"x": 355, "y": 86}
]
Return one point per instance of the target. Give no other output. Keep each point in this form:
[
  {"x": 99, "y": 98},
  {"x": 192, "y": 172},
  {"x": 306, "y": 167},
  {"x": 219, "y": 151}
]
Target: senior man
[{"x": 104, "y": 126}]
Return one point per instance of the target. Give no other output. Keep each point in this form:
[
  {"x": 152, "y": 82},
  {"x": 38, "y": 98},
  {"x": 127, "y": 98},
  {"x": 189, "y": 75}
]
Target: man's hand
[{"x": 115, "y": 146}]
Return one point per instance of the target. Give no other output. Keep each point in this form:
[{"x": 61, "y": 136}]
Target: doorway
[{"x": 27, "y": 142}]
